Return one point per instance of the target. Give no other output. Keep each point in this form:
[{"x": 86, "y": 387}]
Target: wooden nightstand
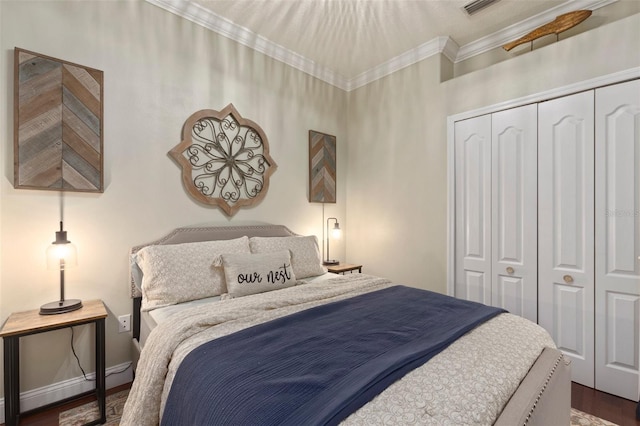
[
  {"x": 21, "y": 324},
  {"x": 344, "y": 267}
]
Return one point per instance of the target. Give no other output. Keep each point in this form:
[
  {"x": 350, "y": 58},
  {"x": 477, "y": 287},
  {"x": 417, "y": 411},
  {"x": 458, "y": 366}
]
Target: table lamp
[
  {"x": 336, "y": 231},
  {"x": 61, "y": 254}
]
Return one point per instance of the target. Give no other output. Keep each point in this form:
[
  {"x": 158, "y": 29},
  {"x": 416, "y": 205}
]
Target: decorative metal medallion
[{"x": 225, "y": 159}]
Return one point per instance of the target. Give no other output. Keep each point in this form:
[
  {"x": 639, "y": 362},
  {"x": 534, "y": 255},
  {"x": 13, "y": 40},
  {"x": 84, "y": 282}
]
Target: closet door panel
[
  {"x": 618, "y": 239},
  {"x": 509, "y": 294},
  {"x": 565, "y": 233},
  {"x": 514, "y": 210},
  {"x": 473, "y": 204}
]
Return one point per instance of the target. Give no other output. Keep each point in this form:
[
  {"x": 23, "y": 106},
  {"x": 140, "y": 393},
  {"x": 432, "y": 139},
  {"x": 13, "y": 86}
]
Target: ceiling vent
[{"x": 477, "y": 5}]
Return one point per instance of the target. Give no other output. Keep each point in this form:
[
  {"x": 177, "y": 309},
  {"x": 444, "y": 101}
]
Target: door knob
[
  {"x": 568, "y": 279},
  {"x": 509, "y": 270}
]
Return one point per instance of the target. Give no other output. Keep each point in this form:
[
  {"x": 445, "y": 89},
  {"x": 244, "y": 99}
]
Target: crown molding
[
  {"x": 439, "y": 45},
  {"x": 225, "y": 27},
  {"x": 450, "y": 49},
  {"x": 515, "y": 31}
]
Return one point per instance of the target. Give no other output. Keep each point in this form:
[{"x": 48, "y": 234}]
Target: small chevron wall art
[
  {"x": 58, "y": 131},
  {"x": 322, "y": 167}
]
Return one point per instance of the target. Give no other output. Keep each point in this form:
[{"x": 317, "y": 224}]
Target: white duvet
[{"x": 468, "y": 383}]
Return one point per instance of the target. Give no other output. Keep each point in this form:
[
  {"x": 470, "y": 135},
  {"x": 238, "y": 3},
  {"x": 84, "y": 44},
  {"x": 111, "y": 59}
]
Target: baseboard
[{"x": 117, "y": 375}]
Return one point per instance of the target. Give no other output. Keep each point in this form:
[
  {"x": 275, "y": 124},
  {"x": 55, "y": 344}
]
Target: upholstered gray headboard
[{"x": 190, "y": 235}]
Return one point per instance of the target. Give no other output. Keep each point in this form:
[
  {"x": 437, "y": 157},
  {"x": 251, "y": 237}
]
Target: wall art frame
[
  {"x": 58, "y": 124},
  {"x": 225, "y": 159},
  {"x": 322, "y": 167}
]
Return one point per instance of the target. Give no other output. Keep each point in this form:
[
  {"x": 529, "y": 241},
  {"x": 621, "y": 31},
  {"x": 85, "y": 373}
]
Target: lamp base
[
  {"x": 331, "y": 262},
  {"x": 60, "y": 307}
]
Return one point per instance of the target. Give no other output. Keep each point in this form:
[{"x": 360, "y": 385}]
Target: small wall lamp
[
  {"x": 336, "y": 231},
  {"x": 61, "y": 254}
]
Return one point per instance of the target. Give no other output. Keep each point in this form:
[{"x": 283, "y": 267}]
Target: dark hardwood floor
[
  {"x": 50, "y": 417},
  {"x": 617, "y": 410}
]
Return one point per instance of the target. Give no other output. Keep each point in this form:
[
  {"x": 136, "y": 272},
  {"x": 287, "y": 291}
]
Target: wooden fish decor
[{"x": 561, "y": 23}]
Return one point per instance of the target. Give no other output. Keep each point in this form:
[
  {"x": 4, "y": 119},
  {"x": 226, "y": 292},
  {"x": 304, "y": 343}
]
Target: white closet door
[
  {"x": 618, "y": 238},
  {"x": 514, "y": 211},
  {"x": 473, "y": 209},
  {"x": 565, "y": 233}
]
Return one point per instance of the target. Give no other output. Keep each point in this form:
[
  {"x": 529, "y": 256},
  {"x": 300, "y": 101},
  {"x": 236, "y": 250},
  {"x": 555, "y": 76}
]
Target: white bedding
[
  {"x": 160, "y": 315},
  {"x": 468, "y": 383},
  {"x": 151, "y": 319}
]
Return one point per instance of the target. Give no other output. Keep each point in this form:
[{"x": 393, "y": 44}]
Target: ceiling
[{"x": 351, "y": 42}]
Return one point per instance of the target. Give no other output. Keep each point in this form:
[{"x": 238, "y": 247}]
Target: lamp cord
[{"x": 82, "y": 369}]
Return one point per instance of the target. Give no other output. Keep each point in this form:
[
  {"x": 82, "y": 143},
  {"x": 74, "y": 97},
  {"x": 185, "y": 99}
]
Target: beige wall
[
  {"x": 158, "y": 70},
  {"x": 600, "y": 17},
  {"x": 397, "y": 170},
  {"x": 397, "y": 186},
  {"x": 604, "y": 50}
]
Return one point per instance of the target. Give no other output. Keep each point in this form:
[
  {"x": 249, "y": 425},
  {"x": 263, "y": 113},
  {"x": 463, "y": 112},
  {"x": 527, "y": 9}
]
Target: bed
[{"x": 499, "y": 369}]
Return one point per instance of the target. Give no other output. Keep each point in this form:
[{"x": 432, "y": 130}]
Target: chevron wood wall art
[
  {"x": 58, "y": 132},
  {"x": 322, "y": 167}
]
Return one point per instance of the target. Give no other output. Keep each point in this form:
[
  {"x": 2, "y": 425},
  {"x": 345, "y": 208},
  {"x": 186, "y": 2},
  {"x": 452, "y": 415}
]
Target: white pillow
[
  {"x": 305, "y": 254},
  {"x": 247, "y": 274},
  {"x": 176, "y": 273}
]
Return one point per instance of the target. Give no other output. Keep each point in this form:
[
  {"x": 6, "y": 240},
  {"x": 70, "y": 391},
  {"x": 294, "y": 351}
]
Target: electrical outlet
[{"x": 124, "y": 323}]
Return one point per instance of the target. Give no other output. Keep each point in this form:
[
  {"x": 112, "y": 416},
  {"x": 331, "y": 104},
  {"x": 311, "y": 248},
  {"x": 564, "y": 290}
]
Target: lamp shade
[
  {"x": 62, "y": 255},
  {"x": 336, "y": 232}
]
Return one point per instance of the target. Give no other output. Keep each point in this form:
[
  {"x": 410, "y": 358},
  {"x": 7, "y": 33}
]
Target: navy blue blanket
[{"x": 317, "y": 366}]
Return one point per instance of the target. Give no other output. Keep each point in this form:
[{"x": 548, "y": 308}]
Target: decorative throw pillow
[
  {"x": 256, "y": 273},
  {"x": 176, "y": 273},
  {"x": 305, "y": 254}
]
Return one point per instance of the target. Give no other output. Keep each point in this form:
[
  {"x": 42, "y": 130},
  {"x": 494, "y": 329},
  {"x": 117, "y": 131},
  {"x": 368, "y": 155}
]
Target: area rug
[
  {"x": 578, "y": 418},
  {"x": 89, "y": 412}
]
